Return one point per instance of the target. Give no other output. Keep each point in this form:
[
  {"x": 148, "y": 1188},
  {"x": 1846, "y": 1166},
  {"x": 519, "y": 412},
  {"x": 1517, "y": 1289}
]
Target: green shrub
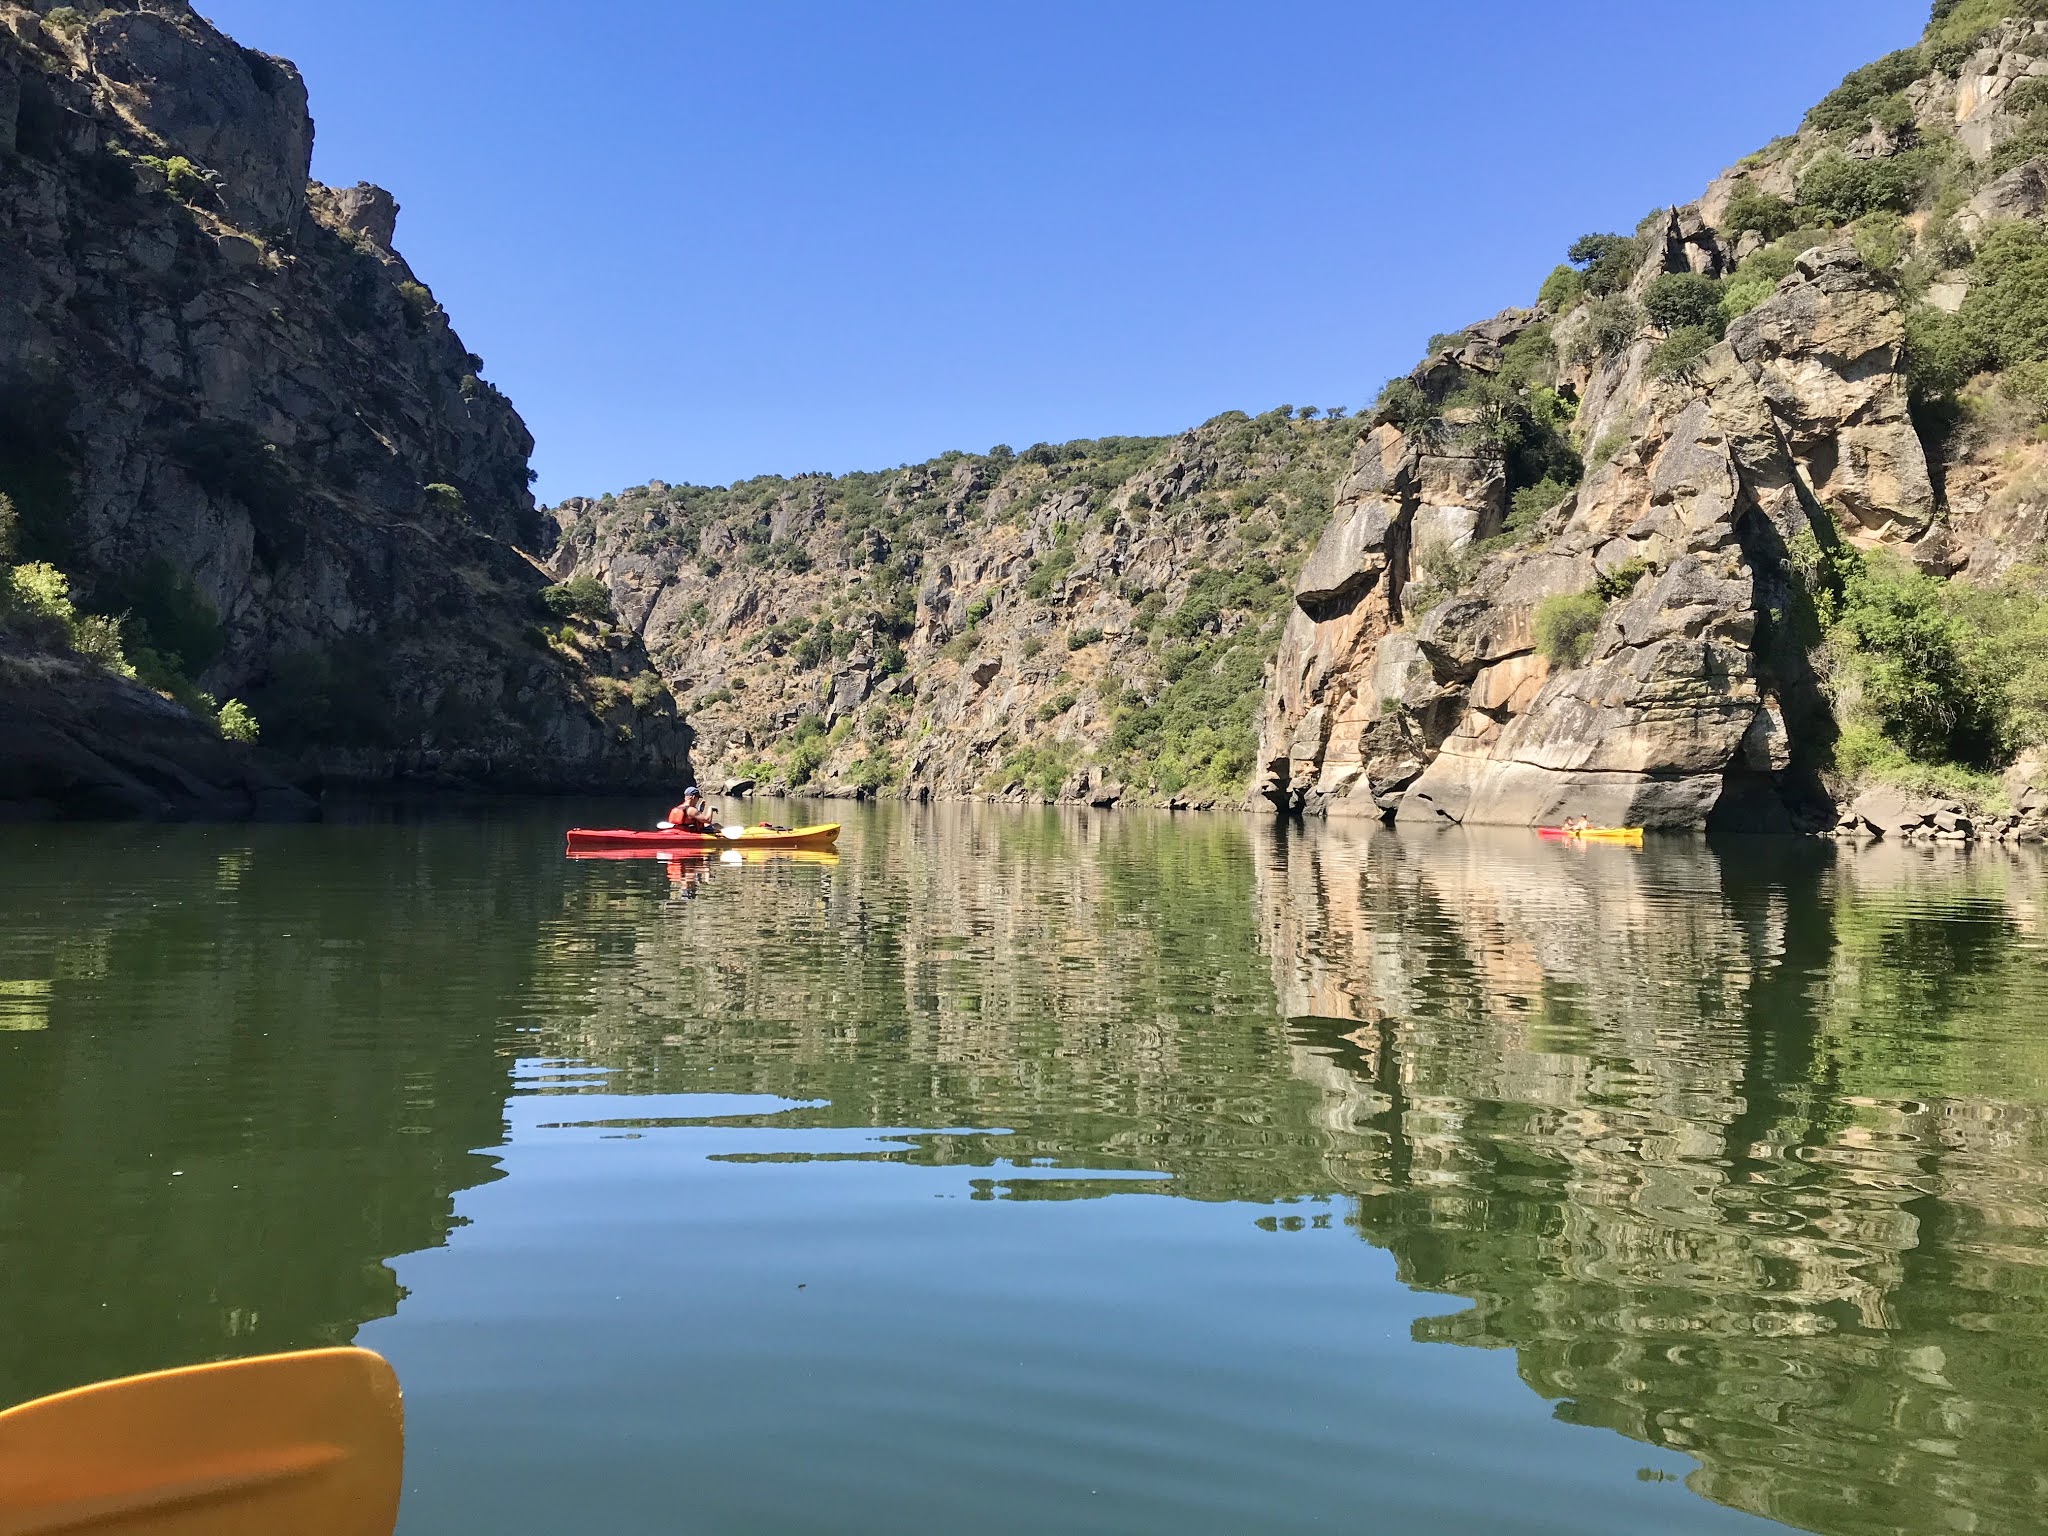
[
  {"x": 1922, "y": 676},
  {"x": 417, "y": 302},
  {"x": 806, "y": 756},
  {"x": 1607, "y": 261},
  {"x": 875, "y": 771},
  {"x": 38, "y": 590},
  {"x": 1031, "y": 647},
  {"x": 1565, "y": 625},
  {"x": 182, "y": 179},
  {"x": 1880, "y": 240},
  {"x": 1841, "y": 189},
  {"x": 10, "y": 529},
  {"x": 2006, "y": 312},
  {"x": 1043, "y": 770},
  {"x": 1941, "y": 354},
  {"x": 1675, "y": 300},
  {"x": 98, "y": 638},
  {"x": 580, "y": 597},
  {"x": 1057, "y": 705},
  {"x": 1679, "y": 355},
  {"x": 67, "y": 19},
  {"x": 233, "y": 459},
  {"x": 1753, "y": 209},
  {"x": 647, "y": 691},
  {"x": 1527, "y": 506},
  {"x": 2011, "y": 616},
  {"x": 1894, "y": 114},
  {"x": 35, "y": 602},
  {"x": 1618, "y": 582},
  {"x": 236, "y": 723},
  {"x": 1942, "y": 245},
  {"x": 1739, "y": 295},
  {"x": 1863, "y": 91},
  {"x": 1200, "y": 728},
  {"x": 1081, "y": 639},
  {"x": 1046, "y": 574},
  {"x": 1774, "y": 263},
  {"x": 1561, "y": 290},
  {"x": 445, "y": 501}
]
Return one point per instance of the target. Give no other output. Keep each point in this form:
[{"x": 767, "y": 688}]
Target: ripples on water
[{"x": 1024, "y": 1171}]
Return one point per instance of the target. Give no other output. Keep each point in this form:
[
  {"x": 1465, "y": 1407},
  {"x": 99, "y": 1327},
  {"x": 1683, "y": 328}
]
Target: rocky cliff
[
  {"x": 240, "y": 426},
  {"x": 1085, "y": 621},
  {"x": 1799, "y": 406},
  {"x": 1743, "y": 514}
]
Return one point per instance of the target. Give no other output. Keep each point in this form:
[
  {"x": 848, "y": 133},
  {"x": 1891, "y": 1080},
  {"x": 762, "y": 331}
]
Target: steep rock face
[
  {"x": 1082, "y": 622},
  {"x": 1679, "y": 710},
  {"x": 222, "y": 394},
  {"x": 1682, "y": 682}
]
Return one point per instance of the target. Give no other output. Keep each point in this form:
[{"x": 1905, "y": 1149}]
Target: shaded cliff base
[{"x": 80, "y": 742}]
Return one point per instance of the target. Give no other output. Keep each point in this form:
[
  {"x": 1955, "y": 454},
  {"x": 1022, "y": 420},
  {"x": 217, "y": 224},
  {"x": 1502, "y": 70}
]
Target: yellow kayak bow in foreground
[{"x": 308, "y": 1444}]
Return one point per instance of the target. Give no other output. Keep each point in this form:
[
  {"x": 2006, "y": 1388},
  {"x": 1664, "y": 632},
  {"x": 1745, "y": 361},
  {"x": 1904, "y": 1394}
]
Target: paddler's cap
[{"x": 691, "y": 790}]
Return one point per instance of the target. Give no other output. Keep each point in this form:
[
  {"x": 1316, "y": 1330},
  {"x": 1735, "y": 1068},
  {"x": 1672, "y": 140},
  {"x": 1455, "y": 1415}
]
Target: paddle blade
[{"x": 311, "y": 1444}]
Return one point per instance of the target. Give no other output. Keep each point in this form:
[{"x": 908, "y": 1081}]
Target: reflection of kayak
[
  {"x": 777, "y": 856},
  {"x": 1633, "y": 836},
  {"x": 585, "y": 839},
  {"x": 726, "y": 853}
]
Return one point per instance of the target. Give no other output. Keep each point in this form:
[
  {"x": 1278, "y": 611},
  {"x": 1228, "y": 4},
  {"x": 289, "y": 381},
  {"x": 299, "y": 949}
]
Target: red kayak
[{"x": 584, "y": 839}]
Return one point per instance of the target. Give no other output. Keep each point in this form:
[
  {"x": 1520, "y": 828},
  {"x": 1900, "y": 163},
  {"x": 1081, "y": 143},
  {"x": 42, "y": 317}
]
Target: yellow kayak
[{"x": 1633, "y": 836}]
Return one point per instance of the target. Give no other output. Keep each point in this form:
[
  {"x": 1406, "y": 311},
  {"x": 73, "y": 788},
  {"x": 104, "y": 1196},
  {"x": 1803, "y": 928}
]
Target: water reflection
[
  {"x": 1742, "y": 1153},
  {"x": 1744, "y": 1157},
  {"x": 247, "y": 1080}
]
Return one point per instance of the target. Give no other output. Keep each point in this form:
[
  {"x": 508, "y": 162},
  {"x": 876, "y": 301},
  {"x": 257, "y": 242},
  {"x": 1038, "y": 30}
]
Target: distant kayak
[
  {"x": 585, "y": 839},
  {"x": 1633, "y": 836}
]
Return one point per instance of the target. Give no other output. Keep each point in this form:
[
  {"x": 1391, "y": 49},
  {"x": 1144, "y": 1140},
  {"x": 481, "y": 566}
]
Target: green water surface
[{"x": 1028, "y": 1171}]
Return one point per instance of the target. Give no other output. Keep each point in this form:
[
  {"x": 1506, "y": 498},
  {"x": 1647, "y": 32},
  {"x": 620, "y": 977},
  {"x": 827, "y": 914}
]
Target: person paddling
[{"x": 692, "y": 815}]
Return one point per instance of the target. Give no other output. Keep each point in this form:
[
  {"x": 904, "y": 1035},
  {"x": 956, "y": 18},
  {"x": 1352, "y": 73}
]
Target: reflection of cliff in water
[
  {"x": 1092, "y": 985},
  {"x": 1744, "y": 1156},
  {"x": 236, "y": 1075}
]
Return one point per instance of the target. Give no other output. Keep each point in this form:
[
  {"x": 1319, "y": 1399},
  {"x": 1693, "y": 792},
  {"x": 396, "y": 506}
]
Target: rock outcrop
[
  {"x": 1715, "y": 484},
  {"x": 231, "y": 412},
  {"x": 1679, "y": 708}
]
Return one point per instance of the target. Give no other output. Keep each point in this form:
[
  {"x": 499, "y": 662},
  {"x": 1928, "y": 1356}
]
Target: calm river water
[{"x": 1027, "y": 1171}]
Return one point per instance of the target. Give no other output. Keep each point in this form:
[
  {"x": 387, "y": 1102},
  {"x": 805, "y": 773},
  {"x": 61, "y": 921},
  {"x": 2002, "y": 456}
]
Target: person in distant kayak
[
  {"x": 1576, "y": 824},
  {"x": 692, "y": 815}
]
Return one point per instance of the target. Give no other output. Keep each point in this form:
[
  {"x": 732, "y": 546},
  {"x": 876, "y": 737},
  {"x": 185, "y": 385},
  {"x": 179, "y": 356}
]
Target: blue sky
[{"x": 704, "y": 242}]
